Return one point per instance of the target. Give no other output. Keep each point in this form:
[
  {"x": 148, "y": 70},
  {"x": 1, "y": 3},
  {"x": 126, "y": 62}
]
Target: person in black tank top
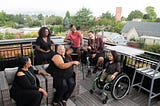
[{"x": 62, "y": 71}]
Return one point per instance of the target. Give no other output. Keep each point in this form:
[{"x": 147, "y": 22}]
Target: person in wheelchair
[
  {"x": 111, "y": 68},
  {"x": 95, "y": 49},
  {"x": 112, "y": 79}
]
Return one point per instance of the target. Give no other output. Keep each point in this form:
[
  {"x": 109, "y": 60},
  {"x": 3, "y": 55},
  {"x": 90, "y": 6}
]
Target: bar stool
[{"x": 151, "y": 73}]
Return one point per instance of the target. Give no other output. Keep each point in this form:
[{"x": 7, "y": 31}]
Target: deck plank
[{"x": 87, "y": 99}]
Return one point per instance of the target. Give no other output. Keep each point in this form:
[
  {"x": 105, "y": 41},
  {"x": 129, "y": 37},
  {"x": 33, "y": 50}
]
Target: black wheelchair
[{"x": 119, "y": 87}]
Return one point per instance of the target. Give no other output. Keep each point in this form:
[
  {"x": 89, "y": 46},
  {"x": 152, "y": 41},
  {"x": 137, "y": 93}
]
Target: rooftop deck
[{"x": 87, "y": 99}]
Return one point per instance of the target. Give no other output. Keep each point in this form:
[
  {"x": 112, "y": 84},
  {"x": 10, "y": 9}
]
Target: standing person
[
  {"x": 64, "y": 77},
  {"x": 43, "y": 49},
  {"x": 75, "y": 38},
  {"x": 95, "y": 49},
  {"x": 26, "y": 90}
]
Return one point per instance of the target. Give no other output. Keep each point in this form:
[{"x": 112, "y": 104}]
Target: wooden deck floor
[{"x": 87, "y": 99}]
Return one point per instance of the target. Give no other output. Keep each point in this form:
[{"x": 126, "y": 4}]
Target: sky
[{"x": 59, "y": 7}]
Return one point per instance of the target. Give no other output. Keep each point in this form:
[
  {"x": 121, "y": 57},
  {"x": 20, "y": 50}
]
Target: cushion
[{"x": 10, "y": 74}]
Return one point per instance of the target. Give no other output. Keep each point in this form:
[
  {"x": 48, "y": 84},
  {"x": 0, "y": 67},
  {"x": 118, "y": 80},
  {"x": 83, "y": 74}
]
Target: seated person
[
  {"x": 75, "y": 38},
  {"x": 111, "y": 68},
  {"x": 26, "y": 90},
  {"x": 64, "y": 77},
  {"x": 43, "y": 49},
  {"x": 95, "y": 49}
]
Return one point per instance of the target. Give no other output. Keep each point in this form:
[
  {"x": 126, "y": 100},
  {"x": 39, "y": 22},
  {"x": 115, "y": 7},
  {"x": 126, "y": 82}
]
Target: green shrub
[
  {"x": 60, "y": 34},
  {"x": 9, "y": 35},
  {"x": 1, "y": 36},
  {"x": 153, "y": 48}
]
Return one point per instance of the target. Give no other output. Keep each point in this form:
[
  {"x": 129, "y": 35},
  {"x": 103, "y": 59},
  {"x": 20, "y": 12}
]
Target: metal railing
[{"x": 11, "y": 50}]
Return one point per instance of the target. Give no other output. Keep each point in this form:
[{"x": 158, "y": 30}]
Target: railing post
[{"x": 21, "y": 46}]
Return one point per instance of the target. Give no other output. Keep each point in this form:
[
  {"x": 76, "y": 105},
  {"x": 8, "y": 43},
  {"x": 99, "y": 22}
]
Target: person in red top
[{"x": 75, "y": 39}]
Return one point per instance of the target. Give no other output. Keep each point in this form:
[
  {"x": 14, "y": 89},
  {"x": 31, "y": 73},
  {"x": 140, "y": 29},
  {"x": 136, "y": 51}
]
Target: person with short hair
[
  {"x": 75, "y": 39},
  {"x": 95, "y": 49}
]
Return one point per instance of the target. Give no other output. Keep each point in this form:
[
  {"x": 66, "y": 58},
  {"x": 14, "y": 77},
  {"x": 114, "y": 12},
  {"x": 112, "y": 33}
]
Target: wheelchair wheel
[{"x": 120, "y": 86}]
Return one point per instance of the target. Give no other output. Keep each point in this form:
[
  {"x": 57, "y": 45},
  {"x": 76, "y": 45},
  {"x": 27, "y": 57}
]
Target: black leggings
[
  {"x": 28, "y": 98},
  {"x": 64, "y": 88}
]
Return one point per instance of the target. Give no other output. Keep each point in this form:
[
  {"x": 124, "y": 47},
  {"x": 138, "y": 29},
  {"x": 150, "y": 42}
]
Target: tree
[
  {"x": 118, "y": 27},
  {"x": 28, "y": 21},
  {"x": 107, "y": 15},
  {"x": 54, "y": 20},
  {"x": 83, "y": 18},
  {"x": 152, "y": 14},
  {"x": 3, "y": 17},
  {"x": 19, "y": 19},
  {"x": 157, "y": 20},
  {"x": 135, "y": 14},
  {"x": 58, "y": 20},
  {"x": 67, "y": 14},
  {"x": 40, "y": 17},
  {"x": 146, "y": 16},
  {"x": 66, "y": 22}
]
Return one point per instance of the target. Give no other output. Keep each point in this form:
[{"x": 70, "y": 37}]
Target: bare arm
[
  {"x": 57, "y": 59},
  {"x": 66, "y": 39},
  {"x": 43, "y": 73},
  {"x": 116, "y": 71},
  {"x": 114, "y": 75},
  {"x": 82, "y": 41}
]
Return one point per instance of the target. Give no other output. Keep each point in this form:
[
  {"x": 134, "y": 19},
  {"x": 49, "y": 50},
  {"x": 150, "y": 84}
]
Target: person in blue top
[
  {"x": 64, "y": 77},
  {"x": 26, "y": 90}
]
